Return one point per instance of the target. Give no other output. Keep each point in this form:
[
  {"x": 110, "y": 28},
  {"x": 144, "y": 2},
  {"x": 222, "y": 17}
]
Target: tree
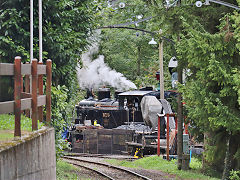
[
  {"x": 66, "y": 26},
  {"x": 127, "y": 51},
  {"x": 205, "y": 45}
]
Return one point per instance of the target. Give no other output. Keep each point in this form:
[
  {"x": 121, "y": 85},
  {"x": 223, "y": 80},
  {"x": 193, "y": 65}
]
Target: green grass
[
  {"x": 157, "y": 163},
  {"x": 66, "y": 171},
  {"x": 6, "y": 136},
  {"x": 7, "y": 123}
]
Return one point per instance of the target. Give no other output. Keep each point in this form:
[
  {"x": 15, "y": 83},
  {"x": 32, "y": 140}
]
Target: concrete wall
[{"x": 31, "y": 158}]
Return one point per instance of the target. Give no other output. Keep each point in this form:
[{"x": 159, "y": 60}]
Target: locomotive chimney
[{"x": 103, "y": 93}]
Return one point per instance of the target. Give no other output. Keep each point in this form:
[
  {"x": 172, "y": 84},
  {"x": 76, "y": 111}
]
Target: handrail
[{"x": 26, "y": 100}]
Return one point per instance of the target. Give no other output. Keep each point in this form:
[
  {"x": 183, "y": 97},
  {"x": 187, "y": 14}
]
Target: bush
[
  {"x": 62, "y": 112},
  {"x": 234, "y": 175}
]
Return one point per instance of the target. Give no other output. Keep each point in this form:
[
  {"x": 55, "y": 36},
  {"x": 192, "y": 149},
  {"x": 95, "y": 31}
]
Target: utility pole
[
  {"x": 180, "y": 117},
  {"x": 180, "y": 121},
  {"x": 161, "y": 78}
]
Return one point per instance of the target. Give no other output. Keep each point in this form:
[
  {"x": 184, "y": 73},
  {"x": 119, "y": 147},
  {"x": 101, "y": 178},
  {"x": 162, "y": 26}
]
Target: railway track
[
  {"x": 104, "y": 156},
  {"x": 105, "y": 170}
]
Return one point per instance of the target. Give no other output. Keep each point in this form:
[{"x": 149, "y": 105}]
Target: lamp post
[{"x": 161, "y": 78}]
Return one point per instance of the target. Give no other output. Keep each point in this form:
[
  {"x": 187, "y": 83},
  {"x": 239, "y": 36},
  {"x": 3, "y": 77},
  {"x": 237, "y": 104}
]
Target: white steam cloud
[{"x": 95, "y": 73}]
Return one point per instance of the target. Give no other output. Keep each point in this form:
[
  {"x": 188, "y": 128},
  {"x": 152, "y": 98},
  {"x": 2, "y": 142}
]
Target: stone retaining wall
[{"x": 31, "y": 158}]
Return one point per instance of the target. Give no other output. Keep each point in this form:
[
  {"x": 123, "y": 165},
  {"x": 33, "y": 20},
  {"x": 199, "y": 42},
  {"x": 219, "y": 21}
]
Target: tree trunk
[
  {"x": 180, "y": 122},
  {"x": 227, "y": 160},
  {"x": 205, "y": 144}
]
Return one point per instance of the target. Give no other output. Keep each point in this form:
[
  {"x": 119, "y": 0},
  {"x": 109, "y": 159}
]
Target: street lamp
[{"x": 152, "y": 41}]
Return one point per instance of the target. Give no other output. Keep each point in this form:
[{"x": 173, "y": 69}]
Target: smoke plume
[{"x": 95, "y": 73}]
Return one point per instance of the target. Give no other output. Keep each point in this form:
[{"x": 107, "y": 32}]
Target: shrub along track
[{"x": 105, "y": 170}]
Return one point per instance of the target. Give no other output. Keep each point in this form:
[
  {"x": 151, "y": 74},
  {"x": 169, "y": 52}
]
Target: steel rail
[
  {"x": 109, "y": 166},
  {"x": 92, "y": 169},
  {"x": 99, "y": 156}
]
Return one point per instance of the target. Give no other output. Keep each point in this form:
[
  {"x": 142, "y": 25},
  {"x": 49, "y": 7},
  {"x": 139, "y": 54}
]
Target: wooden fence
[{"x": 32, "y": 97}]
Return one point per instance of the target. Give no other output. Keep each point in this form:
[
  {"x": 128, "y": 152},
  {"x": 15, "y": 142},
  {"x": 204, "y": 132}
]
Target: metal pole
[
  {"x": 161, "y": 78},
  {"x": 31, "y": 42},
  {"x": 48, "y": 92},
  {"x": 40, "y": 29},
  {"x": 31, "y": 30},
  {"x": 168, "y": 137},
  {"x": 180, "y": 121},
  {"x": 159, "y": 131},
  {"x": 176, "y": 125}
]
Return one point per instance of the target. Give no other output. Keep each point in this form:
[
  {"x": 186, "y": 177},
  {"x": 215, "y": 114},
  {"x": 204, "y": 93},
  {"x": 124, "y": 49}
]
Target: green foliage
[
  {"x": 128, "y": 51},
  {"x": 149, "y": 79},
  {"x": 66, "y": 30},
  {"x": 66, "y": 26},
  {"x": 61, "y": 113},
  {"x": 234, "y": 175},
  {"x": 195, "y": 164},
  {"x": 207, "y": 43},
  {"x": 210, "y": 97}
]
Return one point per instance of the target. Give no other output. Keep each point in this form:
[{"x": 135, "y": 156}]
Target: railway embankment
[{"x": 30, "y": 157}]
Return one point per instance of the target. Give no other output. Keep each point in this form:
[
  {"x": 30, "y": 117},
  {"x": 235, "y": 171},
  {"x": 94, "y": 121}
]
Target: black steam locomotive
[
  {"x": 122, "y": 115},
  {"x": 113, "y": 112}
]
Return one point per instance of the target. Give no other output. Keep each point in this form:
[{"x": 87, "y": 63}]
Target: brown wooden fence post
[
  {"x": 40, "y": 92},
  {"x": 34, "y": 95},
  {"x": 27, "y": 90},
  {"x": 48, "y": 91},
  {"x": 17, "y": 96}
]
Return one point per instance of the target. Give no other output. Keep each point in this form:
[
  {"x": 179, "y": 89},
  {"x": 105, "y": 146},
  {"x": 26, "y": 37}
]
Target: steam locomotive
[
  {"x": 113, "y": 112},
  {"x": 131, "y": 111}
]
